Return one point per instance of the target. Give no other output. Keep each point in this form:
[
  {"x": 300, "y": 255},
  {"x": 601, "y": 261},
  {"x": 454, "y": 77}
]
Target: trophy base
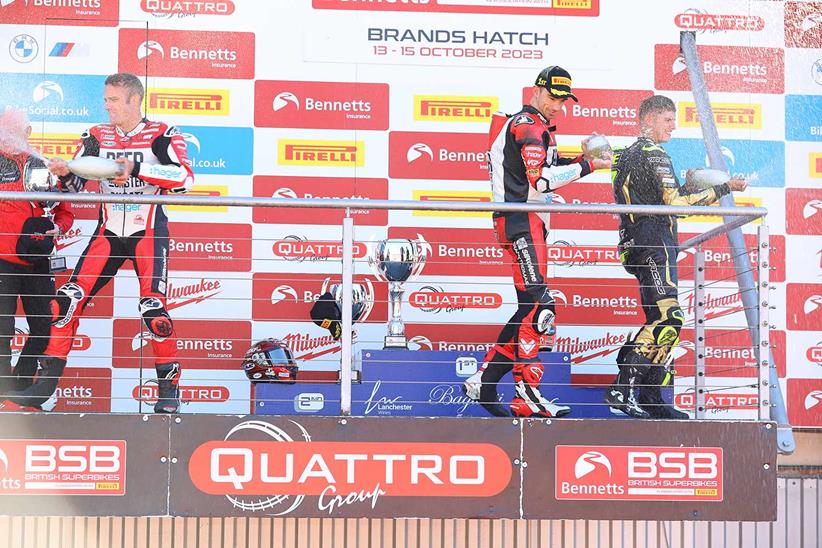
[{"x": 395, "y": 342}]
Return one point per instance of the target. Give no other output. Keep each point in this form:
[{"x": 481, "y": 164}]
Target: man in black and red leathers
[
  {"x": 524, "y": 165},
  {"x": 26, "y": 239},
  {"x": 154, "y": 161}
]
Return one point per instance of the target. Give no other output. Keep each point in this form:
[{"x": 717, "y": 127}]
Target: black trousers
[{"x": 34, "y": 286}]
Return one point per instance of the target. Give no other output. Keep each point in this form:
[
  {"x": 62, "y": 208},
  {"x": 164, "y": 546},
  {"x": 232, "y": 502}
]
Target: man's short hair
[
  {"x": 656, "y": 103},
  {"x": 128, "y": 81}
]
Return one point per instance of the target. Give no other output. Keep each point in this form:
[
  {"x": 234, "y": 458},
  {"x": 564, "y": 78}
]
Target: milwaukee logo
[
  {"x": 716, "y": 306},
  {"x": 583, "y": 350},
  {"x": 454, "y": 109},
  {"x": 201, "y": 102},
  {"x": 294, "y": 152},
  {"x": 61, "y": 145},
  {"x": 467, "y": 196},
  {"x": 306, "y": 347},
  {"x": 178, "y": 296},
  {"x": 726, "y": 115}
]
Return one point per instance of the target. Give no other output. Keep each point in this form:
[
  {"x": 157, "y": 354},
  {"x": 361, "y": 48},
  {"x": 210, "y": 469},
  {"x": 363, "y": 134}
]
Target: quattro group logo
[
  {"x": 447, "y": 156},
  {"x": 191, "y": 102},
  {"x": 446, "y": 108},
  {"x": 761, "y": 163},
  {"x": 702, "y": 21},
  {"x": 55, "y": 97},
  {"x": 98, "y": 13},
  {"x": 320, "y": 153},
  {"x": 435, "y": 299},
  {"x": 326, "y": 105},
  {"x": 182, "y": 8},
  {"x": 638, "y": 473},
  {"x": 726, "y": 115},
  {"x": 803, "y": 211},
  {"x": 189, "y": 54},
  {"x": 63, "y": 467},
  {"x": 319, "y": 187},
  {"x": 555, "y": 7},
  {"x": 220, "y": 150},
  {"x": 332, "y": 474},
  {"x": 726, "y": 68}
]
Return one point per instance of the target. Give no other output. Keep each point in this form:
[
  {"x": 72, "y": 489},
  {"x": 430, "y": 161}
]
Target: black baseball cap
[
  {"x": 557, "y": 81},
  {"x": 326, "y": 314}
]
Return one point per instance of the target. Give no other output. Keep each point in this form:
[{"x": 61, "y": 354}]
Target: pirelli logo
[
  {"x": 61, "y": 145},
  {"x": 198, "y": 191},
  {"x": 726, "y": 115},
  {"x": 298, "y": 152},
  {"x": 440, "y": 108},
  {"x": 468, "y": 196},
  {"x": 573, "y": 4},
  {"x": 815, "y": 163},
  {"x": 740, "y": 201},
  {"x": 199, "y": 102}
]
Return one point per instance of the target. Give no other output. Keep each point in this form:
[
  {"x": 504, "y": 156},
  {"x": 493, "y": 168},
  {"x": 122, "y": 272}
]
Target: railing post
[
  {"x": 347, "y": 289},
  {"x": 699, "y": 333},
  {"x": 762, "y": 341}
]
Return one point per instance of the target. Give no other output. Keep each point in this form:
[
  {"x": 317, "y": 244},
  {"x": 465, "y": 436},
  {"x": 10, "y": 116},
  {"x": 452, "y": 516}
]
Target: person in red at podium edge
[
  {"x": 154, "y": 160},
  {"x": 524, "y": 166},
  {"x": 27, "y": 231}
]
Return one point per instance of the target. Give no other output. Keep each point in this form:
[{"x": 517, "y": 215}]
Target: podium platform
[{"x": 425, "y": 384}]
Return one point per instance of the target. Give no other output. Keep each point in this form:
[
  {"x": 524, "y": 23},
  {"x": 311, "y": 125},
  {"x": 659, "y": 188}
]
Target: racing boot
[
  {"x": 168, "y": 390},
  {"x": 623, "y": 394},
  {"x": 529, "y": 402},
  {"x": 482, "y": 386},
  {"x": 650, "y": 397},
  {"x": 44, "y": 387}
]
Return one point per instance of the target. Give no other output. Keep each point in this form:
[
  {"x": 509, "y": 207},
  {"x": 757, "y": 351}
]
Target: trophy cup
[
  {"x": 597, "y": 146},
  {"x": 396, "y": 260},
  {"x": 362, "y": 298},
  {"x": 36, "y": 178}
]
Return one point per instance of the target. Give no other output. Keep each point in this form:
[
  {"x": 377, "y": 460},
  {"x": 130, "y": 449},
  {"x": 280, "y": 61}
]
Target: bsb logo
[
  {"x": 804, "y": 306},
  {"x": 599, "y": 472},
  {"x": 320, "y": 105},
  {"x": 60, "y": 145},
  {"x": 305, "y": 152},
  {"x": 609, "y": 111},
  {"x": 762, "y": 163},
  {"x": 188, "y": 54},
  {"x": 319, "y": 187},
  {"x": 213, "y": 247},
  {"x": 726, "y": 68},
  {"x": 446, "y": 108},
  {"x": 450, "y": 156},
  {"x": 219, "y": 150},
  {"x": 726, "y": 115},
  {"x": 803, "y": 117},
  {"x": 803, "y": 211},
  {"x": 97, "y": 13},
  {"x": 191, "y": 102}
]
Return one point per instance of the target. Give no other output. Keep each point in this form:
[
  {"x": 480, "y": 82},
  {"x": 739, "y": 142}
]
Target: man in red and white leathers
[
  {"x": 524, "y": 166},
  {"x": 154, "y": 161}
]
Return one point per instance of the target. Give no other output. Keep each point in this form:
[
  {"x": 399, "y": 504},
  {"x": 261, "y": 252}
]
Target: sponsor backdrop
[
  {"x": 224, "y": 465},
  {"x": 391, "y": 100}
]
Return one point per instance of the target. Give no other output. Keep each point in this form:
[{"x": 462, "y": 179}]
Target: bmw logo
[{"x": 23, "y": 48}]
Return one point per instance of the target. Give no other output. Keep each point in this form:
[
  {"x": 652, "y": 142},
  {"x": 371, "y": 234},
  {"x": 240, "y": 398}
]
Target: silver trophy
[
  {"x": 362, "y": 298},
  {"x": 40, "y": 179},
  {"x": 397, "y": 260}
]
